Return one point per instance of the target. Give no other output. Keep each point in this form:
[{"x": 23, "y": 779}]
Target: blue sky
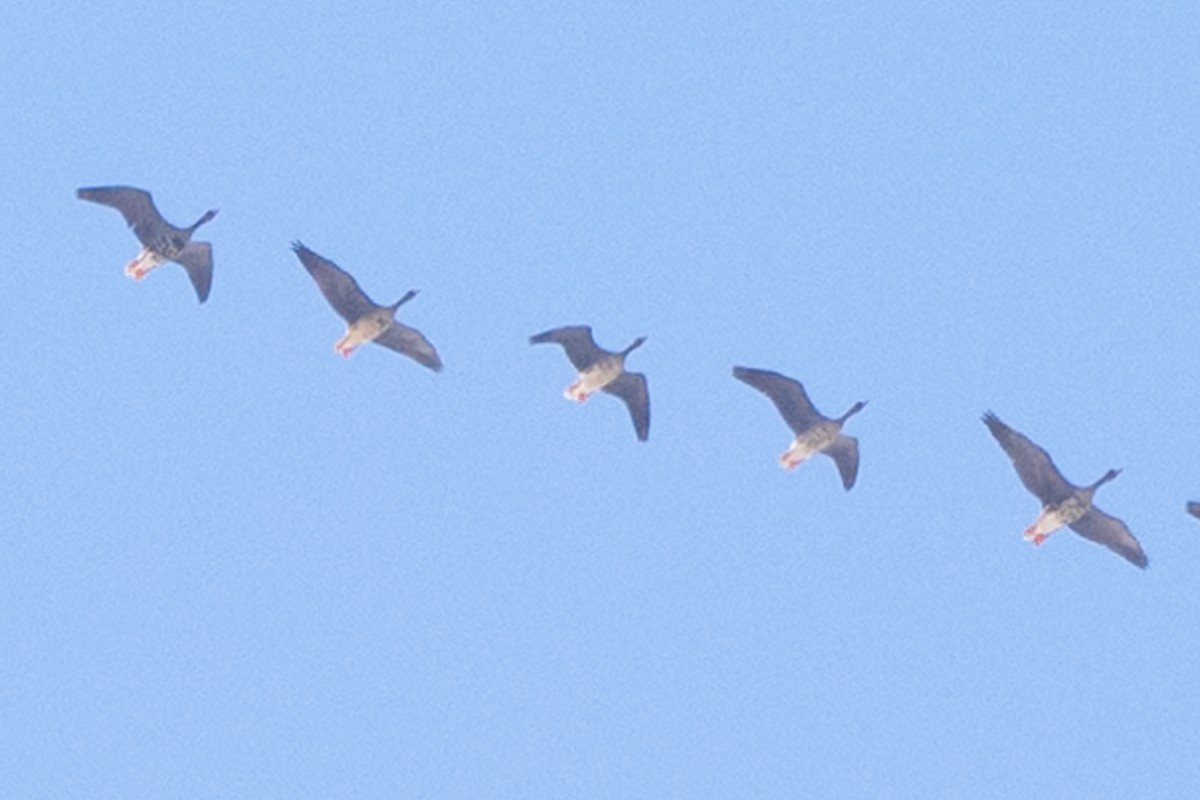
[{"x": 234, "y": 565}]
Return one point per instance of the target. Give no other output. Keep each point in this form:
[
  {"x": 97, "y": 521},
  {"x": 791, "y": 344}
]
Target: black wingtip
[
  {"x": 434, "y": 364},
  {"x": 741, "y": 373},
  {"x": 994, "y": 424},
  {"x": 642, "y": 429},
  {"x": 1137, "y": 558}
]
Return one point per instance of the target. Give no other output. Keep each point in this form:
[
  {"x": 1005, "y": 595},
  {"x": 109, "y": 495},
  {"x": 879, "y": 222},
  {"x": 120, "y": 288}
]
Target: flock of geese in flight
[{"x": 1063, "y": 503}]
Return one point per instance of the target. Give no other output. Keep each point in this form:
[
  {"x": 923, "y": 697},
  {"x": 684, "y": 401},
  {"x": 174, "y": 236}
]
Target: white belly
[
  {"x": 143, "y": 263},
  {"x": 808, "y": 444},
  {"x": 1054, "y": 517},
  {"x": 362, "y": 330},
  {"x": 592, "y": 380}
]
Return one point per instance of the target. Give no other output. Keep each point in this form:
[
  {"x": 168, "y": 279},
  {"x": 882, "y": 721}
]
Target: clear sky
[{"x": 234, "y": 565}]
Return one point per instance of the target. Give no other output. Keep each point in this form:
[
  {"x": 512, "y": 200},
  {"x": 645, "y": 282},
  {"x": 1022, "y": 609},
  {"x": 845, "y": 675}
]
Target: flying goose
[
  {"x": 814, "y": 433},
  {"x": 161, "y": 241},
  {"x": 365, "y": 321},
  {"x": 1062, "y": 502},
  {"x": 601, "y": 370}
]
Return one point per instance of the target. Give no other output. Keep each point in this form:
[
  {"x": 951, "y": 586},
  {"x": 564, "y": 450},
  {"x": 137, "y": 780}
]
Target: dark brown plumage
[
  {"x": 161, "y": 241},
  {"x": 1062, "y": 501},
  {"x": 365, "y": 319},
  {"x": 815, "y": 433},
  {"x": 602, "y": 370}
]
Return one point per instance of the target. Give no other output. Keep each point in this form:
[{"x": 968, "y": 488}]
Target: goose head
[
  {"x": 1105, "y": 478},
  {"x": 638, "y": 342},
  {"x": 854, "y": 409},
  {"x": 208, "y": 215},
  {"x": 409, "y": 295}
]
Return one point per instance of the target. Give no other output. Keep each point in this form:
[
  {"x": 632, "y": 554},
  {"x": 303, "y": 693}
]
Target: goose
[
  {"x": 1194, "y": 509},
  {"x": 815, "y": 433},
  {"x": 602, "y": 370},
  {"x": 161, "y": 241},
  {"x": 1063, "y": 503},
  {"x": 365, "y": 320}
]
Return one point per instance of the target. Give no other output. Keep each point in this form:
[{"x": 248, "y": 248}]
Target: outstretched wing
[
  {"x": 1112, "y": 533},
  {"x": 135, "y": 205},
  {"x": 1194, "y": 509},
  {"x": 412, "y": 343},
  {"x": 338, "y": 286},
  {"x": 788, "y": 396},
  {"x": 196, "y": 258},
  {"x": 844, "y": 452},
  {"x": 577, "y": 341},
  {"x": 632, "y": 388},
  {"x": 1032, "y": 463}
]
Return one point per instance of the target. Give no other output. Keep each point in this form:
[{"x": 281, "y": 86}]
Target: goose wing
[
  {"x": 135, "y": 205},
  {"x": 632, "y": 388},
  {"x": 787, "y": 394},
  {"x": 338, "y": 286},
  {"x": 412, "y": 343},
  {"x": 577, "y": 341},
  {"x": 1112, "y": 533},
  {"x": 844, "y": 452},
  {"x": 1033, "y": 464},
  {"x": 1194, "y": 509},
  {"x": 196, "y": 258}
]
